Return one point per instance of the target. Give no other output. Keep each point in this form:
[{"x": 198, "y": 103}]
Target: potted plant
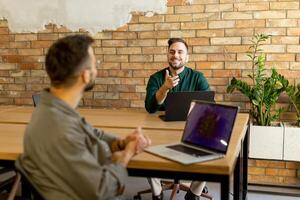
[
  {"x": 292, "y": 130},
  {"x": 266, "y": 140}
]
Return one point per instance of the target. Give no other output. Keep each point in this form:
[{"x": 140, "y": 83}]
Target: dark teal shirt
[{"x": 190, "y": 80}]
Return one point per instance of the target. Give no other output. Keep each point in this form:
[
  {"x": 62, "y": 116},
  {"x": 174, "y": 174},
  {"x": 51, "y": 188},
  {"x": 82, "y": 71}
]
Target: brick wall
[{"x": 218, "y": 32}]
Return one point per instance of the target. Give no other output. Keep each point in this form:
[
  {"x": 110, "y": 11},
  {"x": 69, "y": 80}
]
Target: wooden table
[{"x": 122, "y": 122}]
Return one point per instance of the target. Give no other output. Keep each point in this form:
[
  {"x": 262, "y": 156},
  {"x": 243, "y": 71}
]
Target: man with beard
[
  {"x": 64, "y": 156},
  {"x": 174, "y": 78}
]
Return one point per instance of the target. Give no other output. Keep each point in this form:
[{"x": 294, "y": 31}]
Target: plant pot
[
  {"x": 266, "y": 142},
  {"x": 291, "y": 142}
]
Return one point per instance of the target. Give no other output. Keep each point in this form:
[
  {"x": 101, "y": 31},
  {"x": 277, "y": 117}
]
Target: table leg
[{"x": 225, "y": 182}]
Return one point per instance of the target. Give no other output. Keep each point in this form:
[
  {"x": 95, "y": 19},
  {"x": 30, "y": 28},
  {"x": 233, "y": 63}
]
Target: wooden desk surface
[
  {"x": 103, "y": 118},
  {"x": 11, "y": 145}
]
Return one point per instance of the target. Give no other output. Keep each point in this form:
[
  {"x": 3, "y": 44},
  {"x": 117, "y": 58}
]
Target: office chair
[
  {"x": 175, "y": 187},
  {"x": 6, "y": 184},
  {"x": 30, "y": 191},
  {"x": 36, "y": 99}
]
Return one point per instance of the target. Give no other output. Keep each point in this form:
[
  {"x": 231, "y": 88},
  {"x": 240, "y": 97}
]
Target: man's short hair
[
  {"x": 65, "y": 59},
  {"x": 174, "y": 40}
]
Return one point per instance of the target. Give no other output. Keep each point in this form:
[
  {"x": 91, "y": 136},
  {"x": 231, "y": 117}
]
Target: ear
[
  {"x": 187, "y": 59},
  {"x": 86, "y": 76}
]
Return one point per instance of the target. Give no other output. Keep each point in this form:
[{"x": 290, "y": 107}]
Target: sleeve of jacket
[
  {"x": 151, "y": 104},
  {"x": 86, "y": 176}
]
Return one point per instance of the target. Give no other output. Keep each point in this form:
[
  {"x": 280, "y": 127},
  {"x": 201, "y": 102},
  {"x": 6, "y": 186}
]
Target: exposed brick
[
  {"x": 141, "y": 27},
  {"x": 47, "y": 36},
  {"x": 221, "y": 24},
  {"x": 287, "y": 172},
  {"x": 167, "y": 26},
  {"x": 236, "y": 15},
  {"x": 4, "y": 30},
  {"x": 115, "y": 58},
  {"x": 107, "y": 81},
  {"x": 41, "y": 44},
  {"x": 205, "y": 1},
  {"x": 209, "y": 65},
  {"x": 197, "y": 41},
  {"x": 176, "y": 2},
  {"x": 124, "y": 35},
  {"x": 143, "y": 73},
  {"x": 210, "y": 33},
  {"x": 208, "y": 49},
  {"x": 103, "y": 36},
  {"x": 133, "y": 81},
  {"x": 273, "y": 48},
  {"x": 271, "y": 31},
  {"x": 189, "y": 9},
  {"x": 179, "y": 18},
  {"x": 285, "y": 40},
  {"x": 280, "y": 57},
  {"x": 250, "y": 23},
  {"x": 153, "y": 34},
  {"x": 293, "y": 14},
  {"x": 121, "y": 88},
  {"x": 218, "y": 7},
  {"x": 105, "y": 50},
  {"x": 141, "y": 58},
  {"x": 154, "y": 50},
  {"x": 106, "y": 95},
  {"x": 295, "y": 65},
  {"x": 225, "y": 40},
  {"x": 7, "y": 66},
  {"x": 183, "y": 34},
  {"x": 239, "y": 32},
  {"x": 153, "y": 19},
  {"x": 194, "y": 25},
  {"x": 114, "y": 43},
  {"x": 12, "y": 58},
  {"x": 293, "y": 31},
  {"x": 284, "y": 5},
  {"x": 221, "y": 57},
  {"x": 293, "y": 48},
  {"x": 197, "y": 57},
  {"x": 226, "y": 73},
  {"x": 277, "y": 65},
  {"x": 25, "y": 37},
  {"x": 269, "y": 14},
  {"x": 140, "y": 43},
  {"x": 256, "y": 171},
  {"x": 206, "y": 16},
  {"x": 238, "y": 65},
  {"x": 129, "y": 50},
  {"x": 120, "y": 73},
  {"x": 160, "y": 58},
  {"x": 130, "y": 95},
  {"x": 236, "y": 48},
  {"x": 281, "y": 23},
  {"x": 252, "y": 6},
  {"x": 132, "y": 65},
  {"x": 33, "y": 52}
]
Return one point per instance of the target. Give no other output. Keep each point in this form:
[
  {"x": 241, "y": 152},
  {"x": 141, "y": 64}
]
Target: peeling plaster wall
[{"x": 91, "y": 15}]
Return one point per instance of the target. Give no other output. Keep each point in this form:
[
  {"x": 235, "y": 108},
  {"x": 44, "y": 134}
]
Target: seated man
[
  {"x": 176, "y": 77},
  {"x": 64, "y": 156}
]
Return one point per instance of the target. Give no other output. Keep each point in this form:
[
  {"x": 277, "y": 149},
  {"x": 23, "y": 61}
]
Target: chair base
[{"x": 170, "y": 185}]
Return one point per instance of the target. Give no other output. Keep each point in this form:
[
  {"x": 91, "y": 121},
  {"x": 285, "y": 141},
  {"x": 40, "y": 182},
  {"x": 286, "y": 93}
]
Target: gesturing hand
[{"x": 170, "y": 81}]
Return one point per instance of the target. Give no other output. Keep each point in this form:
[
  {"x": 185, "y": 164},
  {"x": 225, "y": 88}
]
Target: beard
[
  {"x": 176, "y": 67},
  {"x": 89, "y": 86}
]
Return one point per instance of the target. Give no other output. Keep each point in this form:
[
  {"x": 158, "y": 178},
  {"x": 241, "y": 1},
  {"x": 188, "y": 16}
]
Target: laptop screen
[{"x": 210, "y": 125}]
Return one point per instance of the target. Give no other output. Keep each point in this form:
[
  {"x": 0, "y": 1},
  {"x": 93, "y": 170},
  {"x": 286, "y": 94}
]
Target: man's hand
[
  {"x": 134, "y": 143},
  {"x": 170, "y": 81}
]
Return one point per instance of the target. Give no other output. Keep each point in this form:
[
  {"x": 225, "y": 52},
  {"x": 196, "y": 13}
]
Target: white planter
[
  {"x": 266, "y": 142},
  {"x": 291, "y": 142}
]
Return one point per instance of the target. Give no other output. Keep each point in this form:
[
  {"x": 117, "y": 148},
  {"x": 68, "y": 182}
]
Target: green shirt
[{"x": 190, "y": 80}]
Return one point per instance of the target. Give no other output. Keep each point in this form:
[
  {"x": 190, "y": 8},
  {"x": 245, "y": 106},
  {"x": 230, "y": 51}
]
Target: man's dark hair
[
  {"x": 65, "y": 57},
  {"x": 174, "y": 40}
]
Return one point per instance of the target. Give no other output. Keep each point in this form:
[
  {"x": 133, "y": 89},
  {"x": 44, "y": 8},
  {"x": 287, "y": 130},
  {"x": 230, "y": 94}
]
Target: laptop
[
  {"x": 206, "y": 135},
  {"x": 178, "y": 103}
]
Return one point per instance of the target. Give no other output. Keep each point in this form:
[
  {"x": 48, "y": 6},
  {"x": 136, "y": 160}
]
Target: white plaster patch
[{"x": 91, "y": 15}]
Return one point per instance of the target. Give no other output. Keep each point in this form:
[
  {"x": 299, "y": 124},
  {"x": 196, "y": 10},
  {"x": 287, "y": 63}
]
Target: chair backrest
[
  {"x": 36, "y": 99},
  {"x": 30, "y": 190}
]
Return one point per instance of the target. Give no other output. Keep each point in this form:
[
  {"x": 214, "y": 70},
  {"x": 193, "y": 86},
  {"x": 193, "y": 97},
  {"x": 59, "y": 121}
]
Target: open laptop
[
  {"x": 205, "y": 137},
  {"x": 178, "y": 103}
]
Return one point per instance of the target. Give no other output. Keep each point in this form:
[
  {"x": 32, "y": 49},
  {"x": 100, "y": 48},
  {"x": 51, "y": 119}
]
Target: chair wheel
[{"x": 137, "y": 197}]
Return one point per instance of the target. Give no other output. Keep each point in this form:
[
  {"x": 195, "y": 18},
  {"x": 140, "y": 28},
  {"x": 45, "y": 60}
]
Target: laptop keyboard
[{"x": 188, "y": 150}]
